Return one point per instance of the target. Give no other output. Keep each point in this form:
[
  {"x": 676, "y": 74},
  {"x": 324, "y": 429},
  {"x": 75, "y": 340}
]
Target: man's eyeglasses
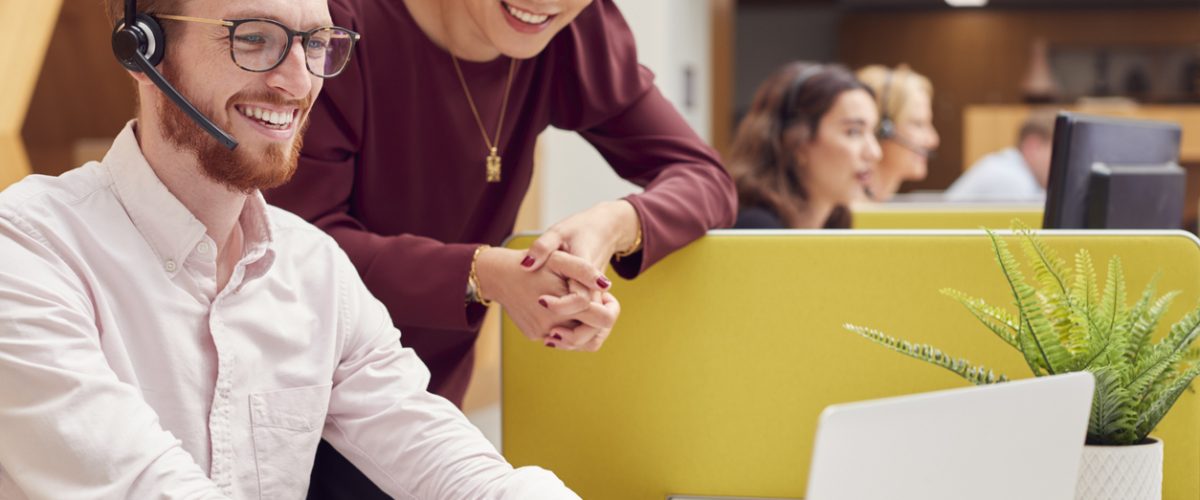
[{"x": 261, "y": 45}]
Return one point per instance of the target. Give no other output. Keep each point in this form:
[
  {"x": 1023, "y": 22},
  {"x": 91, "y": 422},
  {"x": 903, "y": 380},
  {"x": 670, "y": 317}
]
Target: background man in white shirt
[
  {"x": 166, "y": 334},
  {"x": 1018, "y": 173}
]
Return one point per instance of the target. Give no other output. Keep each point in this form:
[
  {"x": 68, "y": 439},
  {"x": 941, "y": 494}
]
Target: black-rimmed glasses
[{"x": 261, "y": 45}]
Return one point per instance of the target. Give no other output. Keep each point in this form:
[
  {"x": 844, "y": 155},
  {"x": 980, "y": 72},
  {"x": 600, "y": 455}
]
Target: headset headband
[{"x": 789, "y": 97}]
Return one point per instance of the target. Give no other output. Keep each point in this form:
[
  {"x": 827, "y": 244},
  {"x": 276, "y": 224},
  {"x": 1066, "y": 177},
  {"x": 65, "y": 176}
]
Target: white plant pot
[{"x": 1121, "y": 472}]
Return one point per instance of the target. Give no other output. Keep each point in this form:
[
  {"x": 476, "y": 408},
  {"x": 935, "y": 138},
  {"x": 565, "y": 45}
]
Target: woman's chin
[
  {"x": 919, "y": 171},
  {"x": 520, "y": 45}
]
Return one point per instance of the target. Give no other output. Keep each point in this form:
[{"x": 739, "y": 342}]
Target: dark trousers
[{"x": 335, "y": 478}]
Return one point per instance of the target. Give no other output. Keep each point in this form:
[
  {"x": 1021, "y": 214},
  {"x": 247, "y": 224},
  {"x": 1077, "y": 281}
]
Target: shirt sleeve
[
  {"x": 69, "y": 427},
  {"x": 611, "y": 100},
  {"x": 320, "y": 192},
  {"x": 409, "y": 442},
  {"x": 971, "y": 184}
]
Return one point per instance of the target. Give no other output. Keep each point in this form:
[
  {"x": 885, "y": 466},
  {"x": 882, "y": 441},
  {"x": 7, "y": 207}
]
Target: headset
[
  {"x": 789, "y": 98},
  {"x": 887, "y": 126},
  {"x": 139, "y": 44}
]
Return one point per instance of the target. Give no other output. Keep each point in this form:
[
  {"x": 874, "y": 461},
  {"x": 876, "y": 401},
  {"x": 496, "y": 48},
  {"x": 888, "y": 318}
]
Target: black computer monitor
[{"x": 1108, "y": 173}]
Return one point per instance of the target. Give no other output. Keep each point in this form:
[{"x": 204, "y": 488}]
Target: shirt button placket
[{"x": 222, "y": 473}]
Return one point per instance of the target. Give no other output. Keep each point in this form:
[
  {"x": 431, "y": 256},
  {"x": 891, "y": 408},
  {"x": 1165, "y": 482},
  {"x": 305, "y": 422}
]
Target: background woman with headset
[
  {"x": 905, "y": 132},
  {"x": 806, "y": 149}
]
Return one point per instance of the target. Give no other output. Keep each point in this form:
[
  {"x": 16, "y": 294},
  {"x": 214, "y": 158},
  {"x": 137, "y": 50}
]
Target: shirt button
[
  {"x": 202, "y": 248},
  {"x": 170, "y": 265}
]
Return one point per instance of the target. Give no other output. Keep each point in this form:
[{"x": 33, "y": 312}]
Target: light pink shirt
[{"x": 124, "y": 374}]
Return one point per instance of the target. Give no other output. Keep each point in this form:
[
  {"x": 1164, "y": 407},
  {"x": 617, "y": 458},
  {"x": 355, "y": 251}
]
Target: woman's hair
[
  {"x": 893, "y": 88},
  {"x": 785, "y": 114}
]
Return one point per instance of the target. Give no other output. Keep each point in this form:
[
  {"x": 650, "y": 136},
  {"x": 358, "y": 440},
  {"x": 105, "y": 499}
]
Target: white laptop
[{"x": 1017, "y": 440}]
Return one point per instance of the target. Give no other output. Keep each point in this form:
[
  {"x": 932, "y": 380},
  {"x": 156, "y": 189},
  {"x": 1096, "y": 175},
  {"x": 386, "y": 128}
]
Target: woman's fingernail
[
  {"x": 556, "y": 337},
  {"x": 543, "y": 303},
  {"x": 550, "y": 344},
  {"x": 603, "y": 282},
  {"x": 528, "y": 262}
]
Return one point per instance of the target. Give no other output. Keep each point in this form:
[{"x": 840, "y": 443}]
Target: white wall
[{"x": 672, "y": 36}]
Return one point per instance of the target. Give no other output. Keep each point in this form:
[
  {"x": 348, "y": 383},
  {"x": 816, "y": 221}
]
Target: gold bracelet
[
  {"x": 473, "y": 278},
  {"x": 635, "y": 247}
]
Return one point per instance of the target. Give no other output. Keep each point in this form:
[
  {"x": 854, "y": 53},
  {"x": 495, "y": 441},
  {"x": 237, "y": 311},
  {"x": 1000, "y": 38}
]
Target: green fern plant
[{"x": 1067, "y": 324}]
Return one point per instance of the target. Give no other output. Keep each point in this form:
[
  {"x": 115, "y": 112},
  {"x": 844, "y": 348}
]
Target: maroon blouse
[{"x": 393, "y": 163}]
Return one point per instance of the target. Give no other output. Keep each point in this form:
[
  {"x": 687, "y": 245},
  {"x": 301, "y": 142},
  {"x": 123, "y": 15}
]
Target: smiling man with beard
[{"x": 164, "y": 333}]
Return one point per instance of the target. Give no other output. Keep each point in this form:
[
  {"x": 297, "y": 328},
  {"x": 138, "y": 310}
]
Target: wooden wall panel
[
  {"x": 25, "y": 43},
  {"x": 988, "y": 128},
  {"x": 82, "y": 92},
  {"x": 724, "y": 19},
  {"x": 980, "y": 56}
]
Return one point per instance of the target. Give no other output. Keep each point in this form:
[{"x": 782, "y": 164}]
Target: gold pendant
[{"x": 493, "y": 167}]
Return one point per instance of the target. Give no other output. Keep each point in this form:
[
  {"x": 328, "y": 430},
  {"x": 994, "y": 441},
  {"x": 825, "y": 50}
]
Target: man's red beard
[{"x": 239, "y": 170}]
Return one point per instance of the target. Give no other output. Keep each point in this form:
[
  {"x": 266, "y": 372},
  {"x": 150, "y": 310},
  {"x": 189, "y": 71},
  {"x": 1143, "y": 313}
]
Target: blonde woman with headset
[{"x": 905, "y": 131}]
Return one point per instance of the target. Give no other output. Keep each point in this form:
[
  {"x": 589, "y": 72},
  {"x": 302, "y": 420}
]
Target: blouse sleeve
[{"x": 604, "y": 94}]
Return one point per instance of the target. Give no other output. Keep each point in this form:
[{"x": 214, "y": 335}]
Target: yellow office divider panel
[
  {"x": 727, "y": 351},
  {"x": 28, "y": 25},
  {"x": 944, "y": 215}
]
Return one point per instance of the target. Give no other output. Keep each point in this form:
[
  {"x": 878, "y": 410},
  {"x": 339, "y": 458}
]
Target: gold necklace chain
[{"x": 493, "y": 159}]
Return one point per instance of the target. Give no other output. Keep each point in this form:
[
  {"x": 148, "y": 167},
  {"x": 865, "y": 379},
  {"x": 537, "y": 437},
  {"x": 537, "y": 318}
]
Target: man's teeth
[
  {"x": 526, "y": 17},
  {"x": 272, "y": 117}
]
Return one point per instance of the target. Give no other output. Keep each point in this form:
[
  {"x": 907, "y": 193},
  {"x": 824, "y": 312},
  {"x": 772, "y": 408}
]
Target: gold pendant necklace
[
  {"x": 493, "y": 166},
  {"x": 493, "y": 158}
]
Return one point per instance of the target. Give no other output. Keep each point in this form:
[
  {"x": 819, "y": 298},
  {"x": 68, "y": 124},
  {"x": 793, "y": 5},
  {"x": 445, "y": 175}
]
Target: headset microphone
[
  {"x": 139, "y": 43},
  {"x": 909, "y": 145}
]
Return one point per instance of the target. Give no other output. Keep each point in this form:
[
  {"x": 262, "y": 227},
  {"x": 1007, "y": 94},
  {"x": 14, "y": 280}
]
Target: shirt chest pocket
[{"x": 287, "y": 427}]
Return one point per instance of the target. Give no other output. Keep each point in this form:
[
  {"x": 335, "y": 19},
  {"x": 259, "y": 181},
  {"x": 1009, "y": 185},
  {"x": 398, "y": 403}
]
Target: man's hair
[
  {"x": 1039, "y": 123},
  {"x": 115, "y": 9}
]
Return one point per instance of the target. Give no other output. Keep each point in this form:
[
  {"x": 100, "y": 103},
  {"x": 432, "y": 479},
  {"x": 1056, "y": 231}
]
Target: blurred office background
[
  {"x": 1132, "y": 57},
  {"x": 66, "y": 97}
]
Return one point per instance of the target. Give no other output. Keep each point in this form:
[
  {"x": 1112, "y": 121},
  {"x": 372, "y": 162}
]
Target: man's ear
[{"x": 140, "y": 78}]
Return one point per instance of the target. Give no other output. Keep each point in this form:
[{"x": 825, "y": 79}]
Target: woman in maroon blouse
[{"x": 396, "y": 168}]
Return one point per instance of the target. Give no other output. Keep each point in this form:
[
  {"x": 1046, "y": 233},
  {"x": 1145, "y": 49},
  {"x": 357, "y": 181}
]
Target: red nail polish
[
  {"x": 550, "y": 344},
  {"x": 528, "y": 262},
  {"x": 556, "y": 336},
  {"x": 543, "y": 303},
  {"x": 603, "y": 282}
]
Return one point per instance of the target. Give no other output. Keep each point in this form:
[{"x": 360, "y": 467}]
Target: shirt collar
[
  {"x": 166, "y": 224},
  {"x": 258, "y": 236}
]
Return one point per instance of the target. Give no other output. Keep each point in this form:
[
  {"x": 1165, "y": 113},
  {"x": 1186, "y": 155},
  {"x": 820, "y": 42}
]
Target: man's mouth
[
  {"x": 275, "y": 119},
  {"x": 525, "y": 16}
]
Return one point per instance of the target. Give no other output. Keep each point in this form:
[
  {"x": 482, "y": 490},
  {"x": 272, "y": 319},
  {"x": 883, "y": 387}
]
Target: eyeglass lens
[{"x": 260, "y": 46}]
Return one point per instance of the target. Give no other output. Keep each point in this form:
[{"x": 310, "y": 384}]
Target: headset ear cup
[
  {"x": 126, "y": 43},
  {"x": 146, "y": 37},
  {"x": 886, "y": 130},
  {"x": 156, "y": 39}
]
